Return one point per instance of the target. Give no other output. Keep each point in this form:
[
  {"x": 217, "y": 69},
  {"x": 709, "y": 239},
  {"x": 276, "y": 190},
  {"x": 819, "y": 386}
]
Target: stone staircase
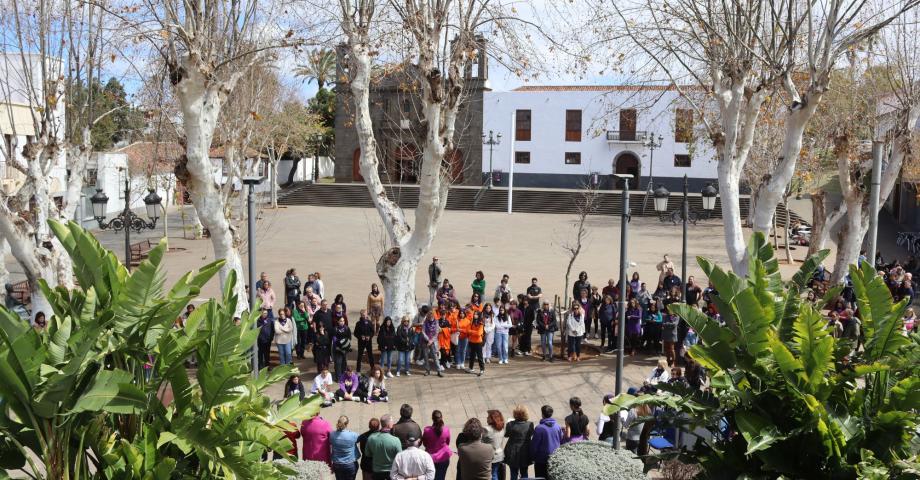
[{"x": 526, "y": 200}]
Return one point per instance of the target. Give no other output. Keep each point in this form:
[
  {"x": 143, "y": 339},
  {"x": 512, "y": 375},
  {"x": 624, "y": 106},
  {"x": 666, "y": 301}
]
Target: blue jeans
[
  {"x": 345, "y": 471},
  {"x": 440, "y": 470},
  {"x": 518, "y": 472},
  {"x": 284, "y": 353},
  {"x": 462, "y": 350},
  {"x": 495, "y": 469},
  {"x": 386, "y": 359},
  {"x": 574, "y": 345},
  {"x": 402, "y": 361},
  {"x": 501, "y": 339},
  {"x": 546, "y": 342}
]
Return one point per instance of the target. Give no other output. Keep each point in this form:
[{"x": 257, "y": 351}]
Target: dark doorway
[
  {"x": 626, "y": 164},
  {"x": 356, "y": 166},
  {"x": 407, "y": 163},
  {"x": 453, "y": 164}
]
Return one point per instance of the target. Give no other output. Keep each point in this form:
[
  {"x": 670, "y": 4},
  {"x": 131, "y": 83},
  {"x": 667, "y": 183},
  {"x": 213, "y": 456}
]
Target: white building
[
  {"x": 21, "y": 92},
  {"x": 564, "y": 134}
]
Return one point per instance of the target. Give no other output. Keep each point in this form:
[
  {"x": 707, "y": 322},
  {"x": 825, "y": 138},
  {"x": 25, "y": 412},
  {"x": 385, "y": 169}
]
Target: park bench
[{"x": 140, "y": 251}]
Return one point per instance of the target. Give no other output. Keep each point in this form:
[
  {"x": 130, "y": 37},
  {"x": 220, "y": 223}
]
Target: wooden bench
[
  {"x": 22, "y": 292},
  {"x": 140, "y": 251}
]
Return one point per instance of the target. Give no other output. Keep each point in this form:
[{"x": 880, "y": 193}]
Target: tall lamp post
[
  {"x": 252, "y": 182},
  {"x": 317, "y": 140},
  {"x": 652, "y": 143},
  {"x": 709, "y": 194},
  {"x": 624, "y": 224},
  {"x": 126, "y": 220},
  {"x": 491, "y": 141}
]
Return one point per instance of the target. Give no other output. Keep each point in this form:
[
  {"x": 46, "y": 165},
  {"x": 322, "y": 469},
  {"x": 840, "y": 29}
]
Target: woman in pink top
[
  {"x": 315, "y": 434},
  {"x": 436, "y": 440}
]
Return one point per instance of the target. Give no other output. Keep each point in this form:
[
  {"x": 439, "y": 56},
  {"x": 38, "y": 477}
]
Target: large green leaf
[
  {"x": 815, "y": 347},
  {"x": 759, "y": 432},
  {"x": 142, "y": 289},
  {"x": 807, "y": 269},
  {"x": 755, "y": 321},
  {"x": 112, "y": 391},
  {"x": 882, "y": 319}
]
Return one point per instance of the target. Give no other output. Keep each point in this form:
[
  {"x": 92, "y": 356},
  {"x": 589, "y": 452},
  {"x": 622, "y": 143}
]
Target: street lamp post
[
  {"x": 317, "y": 139},
  {"x": 252, "y": 182},
  {"x": 709, "y": 194},
  {"x": 491, "y": 141},
  {"x": 621, "y": 336},
  {"x": 652, "y": 143},
  {"x": 126, "y": 220}
]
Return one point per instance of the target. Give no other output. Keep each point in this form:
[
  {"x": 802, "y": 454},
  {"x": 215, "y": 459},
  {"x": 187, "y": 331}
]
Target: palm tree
[{"x": 320, "y": 67}]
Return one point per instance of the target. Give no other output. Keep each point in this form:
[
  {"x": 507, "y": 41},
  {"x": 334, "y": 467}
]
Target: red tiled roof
[
  {"x": 593, "y": 88},
  {"x": 219, "y": 152},
  {"x": 154, "y": 157}
]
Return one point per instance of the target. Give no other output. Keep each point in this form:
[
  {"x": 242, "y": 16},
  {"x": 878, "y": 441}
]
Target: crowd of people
[{"x": 491, "y": 448}]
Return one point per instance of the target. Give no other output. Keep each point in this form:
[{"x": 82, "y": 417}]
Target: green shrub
[
  {"x": 305, "y": 470},
  {"x": 594, "y": 460}
]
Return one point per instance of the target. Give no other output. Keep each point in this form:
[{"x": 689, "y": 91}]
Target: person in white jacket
[
  {"x": 503, "y": 326},
  {"x": 284, "y": 335},
  {"x": 575, "y": 331},
  {"x": 488, "y": 323}
]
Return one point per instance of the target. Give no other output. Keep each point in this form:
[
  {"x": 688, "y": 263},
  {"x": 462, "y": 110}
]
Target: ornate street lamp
[
  {"x": 709, "y": 194},
  {"x": 127, "y": 220},
  {"x": 661, "y": 199},
  {"x": 492, "y": 141}
]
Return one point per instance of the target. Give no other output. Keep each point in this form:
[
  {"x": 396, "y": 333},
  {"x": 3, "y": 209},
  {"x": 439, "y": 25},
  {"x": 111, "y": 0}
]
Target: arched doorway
[
  {"x": 356, "y": 166},
  {"x": 626, "y": 163},
  {"x": 453, "y": 165}
]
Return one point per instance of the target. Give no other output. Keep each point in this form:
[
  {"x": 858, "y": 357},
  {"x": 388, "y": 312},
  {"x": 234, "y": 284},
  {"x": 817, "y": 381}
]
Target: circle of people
[
  {"x": 399, "y": 449},
  {"x": 446, "y": 334}
]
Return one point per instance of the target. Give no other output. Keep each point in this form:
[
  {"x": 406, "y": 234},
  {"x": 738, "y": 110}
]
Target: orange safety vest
[
  {"x": 444, "y": 339},
  {"x": 477, "y": 308},
  {"x": 464, "y": 324}
]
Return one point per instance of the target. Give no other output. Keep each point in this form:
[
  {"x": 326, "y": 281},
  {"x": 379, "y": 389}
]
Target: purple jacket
[
  {"x": 546, "y": 439},
  {"x": 354, "y": 383},
  {"x": 430, "y": 328}
]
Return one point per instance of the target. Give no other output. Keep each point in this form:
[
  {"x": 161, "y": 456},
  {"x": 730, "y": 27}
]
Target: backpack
[{"x": 342, "y": 344}]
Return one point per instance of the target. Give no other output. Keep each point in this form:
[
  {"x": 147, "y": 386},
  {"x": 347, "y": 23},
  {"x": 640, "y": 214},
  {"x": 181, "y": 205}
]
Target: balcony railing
[{"x": 626, "y": 136}]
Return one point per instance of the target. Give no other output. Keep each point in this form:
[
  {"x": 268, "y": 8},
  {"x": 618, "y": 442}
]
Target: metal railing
[{"x": 627, "y": 135}]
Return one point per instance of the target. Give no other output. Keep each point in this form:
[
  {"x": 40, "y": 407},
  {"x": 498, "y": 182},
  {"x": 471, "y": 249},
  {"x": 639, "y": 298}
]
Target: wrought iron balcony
[{"x": 626, "y": 136}]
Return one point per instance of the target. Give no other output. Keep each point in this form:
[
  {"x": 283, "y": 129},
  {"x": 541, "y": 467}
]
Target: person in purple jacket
[
  {"x": 350, "y": 387},
  {"x": 547, "y": 437},
  {"x": 429, "y": 341}
]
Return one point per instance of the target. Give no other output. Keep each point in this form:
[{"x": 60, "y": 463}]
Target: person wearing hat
[{"x": 412, "y": 463}]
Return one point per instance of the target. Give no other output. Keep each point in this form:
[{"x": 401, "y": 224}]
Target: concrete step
[{"x": 553, "y": 201}]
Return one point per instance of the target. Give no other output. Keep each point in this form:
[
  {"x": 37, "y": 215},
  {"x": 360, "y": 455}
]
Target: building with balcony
[{"x": 569, "y": 136}]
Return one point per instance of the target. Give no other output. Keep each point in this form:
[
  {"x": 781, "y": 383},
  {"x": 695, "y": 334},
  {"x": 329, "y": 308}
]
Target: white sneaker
[
  {"x": 397, "y": 374},
  {"x": 389, "y": 375},
  {"x": 488, "y": 360},
  {"x": 408, "y": 374},
  {"x": 420, "y": 363}
]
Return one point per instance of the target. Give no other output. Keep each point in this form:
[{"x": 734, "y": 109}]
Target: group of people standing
[{"x": 485, "y": 448}]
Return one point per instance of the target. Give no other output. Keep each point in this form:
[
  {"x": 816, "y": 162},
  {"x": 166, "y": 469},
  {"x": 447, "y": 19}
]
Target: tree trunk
[
  {"x": 397, "y": 277},
  {"x": 4, "y": 273},
  {"x": 849, "y": 240},
  {"x": 200, "y": 101},
  {"x": 290, "y": 179},
  {"x": 772, "y": 191},
  {"x": 273, "y": 178},
  {"x": 729, "y": 176},
  {"x": 786, "y": 233},
  {"x": 823, "y": 219}
]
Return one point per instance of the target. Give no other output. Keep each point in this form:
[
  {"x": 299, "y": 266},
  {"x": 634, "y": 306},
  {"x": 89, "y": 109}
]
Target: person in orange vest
[
  {"x": 476, "y": 335},
  {"x": 476, "y": 302},
  {"x": 453, "y": 318},
  {"x": 444, "y": 340},
  {"x": 464, "y": 319}
]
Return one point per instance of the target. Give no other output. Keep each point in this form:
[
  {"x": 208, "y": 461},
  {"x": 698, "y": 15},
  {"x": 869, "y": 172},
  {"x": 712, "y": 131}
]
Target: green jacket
[
  {"x": 382, "y": 447},
  {"x": 479, "y": 286},
  {"x": 301, "y": 319}
]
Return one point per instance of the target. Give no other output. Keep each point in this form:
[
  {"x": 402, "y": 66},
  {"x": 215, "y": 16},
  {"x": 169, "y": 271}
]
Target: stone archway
[
  {"x": 627, "y": 163},
  {"x": 356, "y": 166}
]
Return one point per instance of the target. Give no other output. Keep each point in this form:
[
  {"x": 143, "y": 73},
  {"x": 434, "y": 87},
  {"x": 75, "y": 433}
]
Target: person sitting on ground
[
  {"x": 322, "y": 385},
  {"x": 350, "y": 387},
  {"x": 294, "y": 387},
  {"x": 377, "y": 386},
  {"x": 659, "y": 374}
]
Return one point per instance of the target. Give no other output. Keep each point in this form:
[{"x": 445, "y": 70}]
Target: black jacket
[
  {"x": 404, "y": 338},
  {"x": 266, "y": 330},
  {"x": 550, "y": 325},
  {"x": 342, "y": 343},
  {"x": 325, "y": 318},
  {"x": 386, "y": 339},
  {"x": 364, "y": 328}
]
